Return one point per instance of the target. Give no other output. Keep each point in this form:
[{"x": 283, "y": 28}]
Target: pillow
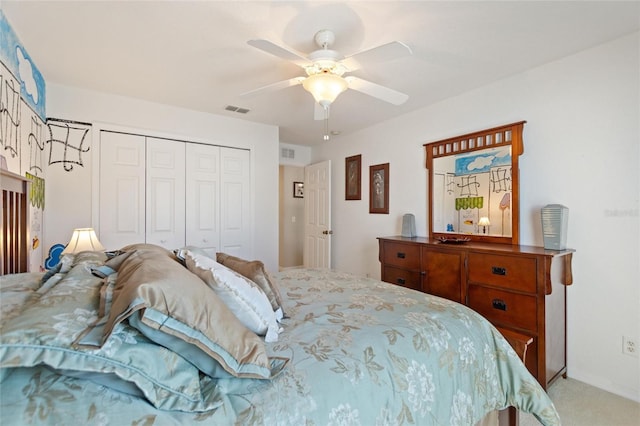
[
  {"x": 254, "y": 270},
  {"x": 115, "y": 262},
  {"x": 64, "y": 265},
  {"x": 17, "y": 291},
  {"x": 44, "y": 332},
  {"x": 147, "y": 246},
  {"x": 242, "y": 296},
  {"x": 51, "y": 272},
  {"x": 89, "y": 258},
  {"x": 176, "y": 309},
  {"x": 106, "y": 295},
  {"x": 181, "y": 253}
]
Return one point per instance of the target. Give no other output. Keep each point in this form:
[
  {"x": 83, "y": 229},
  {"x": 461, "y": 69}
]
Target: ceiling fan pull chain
[{"x": 326, "y": 123}]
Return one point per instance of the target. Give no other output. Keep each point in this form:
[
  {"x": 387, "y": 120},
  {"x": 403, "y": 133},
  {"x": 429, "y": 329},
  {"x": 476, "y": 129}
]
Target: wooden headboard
[{"x": 14, "y": 238}]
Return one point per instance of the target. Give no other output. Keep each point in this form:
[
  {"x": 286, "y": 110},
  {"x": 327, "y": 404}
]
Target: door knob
[{"x": 327, "y": 232}]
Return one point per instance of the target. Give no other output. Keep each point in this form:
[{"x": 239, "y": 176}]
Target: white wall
[
  {"x": 581, "y": 150},
  {"x": 68, "y": 194},
  {"x": 301, "y": 155}
]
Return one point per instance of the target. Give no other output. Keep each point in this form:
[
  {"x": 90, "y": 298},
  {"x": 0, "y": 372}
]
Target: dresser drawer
[
  {"x": 518, "y": 273},
  {"x": 503, "y": 307},
  {"x": 402, "y": 255},
  {"x": 403, "y": 277}
]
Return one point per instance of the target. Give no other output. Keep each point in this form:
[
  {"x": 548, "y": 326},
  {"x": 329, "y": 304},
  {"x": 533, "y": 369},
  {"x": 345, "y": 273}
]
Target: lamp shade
[
  {"x": 325, "y": 87},
  {"x": 83, "y": 239},
  {"x": 484, "y": 221}
]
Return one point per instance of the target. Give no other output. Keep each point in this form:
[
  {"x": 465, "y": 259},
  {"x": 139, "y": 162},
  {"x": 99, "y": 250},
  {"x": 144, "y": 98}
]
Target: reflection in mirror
[{"x": 473, "y": 185}]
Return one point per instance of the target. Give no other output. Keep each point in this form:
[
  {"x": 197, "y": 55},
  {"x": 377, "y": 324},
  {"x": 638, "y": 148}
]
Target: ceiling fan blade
[
  {"x": 274, "y": 86},
  {"x": 382, "y": 53},
  {"x": 280, "y": 52},
  {"x": 372, "y": 89}
]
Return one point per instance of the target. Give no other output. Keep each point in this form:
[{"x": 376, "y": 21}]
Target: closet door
[
  {"x": 165, "y": 206},
  {"x": 203, "y": 197},
  {"x": 121, "y": 202},
  {"x": 235, "y": 209}
]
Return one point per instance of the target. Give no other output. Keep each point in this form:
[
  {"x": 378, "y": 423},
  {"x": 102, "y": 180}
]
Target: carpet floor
[{"x": 580, "y": 404}]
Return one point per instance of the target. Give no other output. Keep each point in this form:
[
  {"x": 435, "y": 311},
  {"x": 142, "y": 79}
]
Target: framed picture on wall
[
  {"x": 353, "y": 173},
  {"x": 298, "y": 189},
  {"x": 379, "y": 188}
]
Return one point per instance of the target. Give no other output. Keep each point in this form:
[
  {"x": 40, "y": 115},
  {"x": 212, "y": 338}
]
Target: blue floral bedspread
[{"x": 362, "y": 352}]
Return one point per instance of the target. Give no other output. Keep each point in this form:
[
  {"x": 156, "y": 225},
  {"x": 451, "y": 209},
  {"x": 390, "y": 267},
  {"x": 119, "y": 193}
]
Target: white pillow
[{"x": 241, "y": 295}]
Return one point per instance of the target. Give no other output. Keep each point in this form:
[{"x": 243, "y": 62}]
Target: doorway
[{"x": 291, "y": 226}]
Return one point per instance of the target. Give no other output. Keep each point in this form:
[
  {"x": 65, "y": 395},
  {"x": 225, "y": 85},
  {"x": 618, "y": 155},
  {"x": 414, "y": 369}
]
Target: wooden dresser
[{"x": 520, "y": 289}]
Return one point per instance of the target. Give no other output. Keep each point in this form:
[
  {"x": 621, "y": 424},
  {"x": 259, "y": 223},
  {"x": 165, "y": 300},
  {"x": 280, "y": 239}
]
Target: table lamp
[
  {"x": 484, "y": 222},
  {"x": 83, "y": 239}
]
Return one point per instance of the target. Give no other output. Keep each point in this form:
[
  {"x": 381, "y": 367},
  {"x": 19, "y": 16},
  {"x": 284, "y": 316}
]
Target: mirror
[{"x": 473, "y": 186}]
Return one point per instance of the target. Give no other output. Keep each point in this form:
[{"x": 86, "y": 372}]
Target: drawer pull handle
[
  {"x": 400, "y": 255},
  {"x": 497, "y": 270},
  {"x": 499, "y": 304},
  {"x": 400, "y": 281}
]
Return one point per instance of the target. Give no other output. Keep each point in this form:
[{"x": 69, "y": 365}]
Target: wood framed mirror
[{"x": 474, "y": 186}]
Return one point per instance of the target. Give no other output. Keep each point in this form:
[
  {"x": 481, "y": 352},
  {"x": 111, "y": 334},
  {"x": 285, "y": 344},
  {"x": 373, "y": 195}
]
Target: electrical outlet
[{"x": 630, "y": 346}]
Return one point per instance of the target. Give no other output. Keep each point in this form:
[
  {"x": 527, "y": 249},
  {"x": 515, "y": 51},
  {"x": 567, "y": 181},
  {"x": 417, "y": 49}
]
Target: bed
[{"x": 83, "y": 344}]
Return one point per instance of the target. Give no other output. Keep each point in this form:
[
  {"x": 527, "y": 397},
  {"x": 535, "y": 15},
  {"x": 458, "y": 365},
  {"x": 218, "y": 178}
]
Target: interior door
[{"x": 317, "y": 214}]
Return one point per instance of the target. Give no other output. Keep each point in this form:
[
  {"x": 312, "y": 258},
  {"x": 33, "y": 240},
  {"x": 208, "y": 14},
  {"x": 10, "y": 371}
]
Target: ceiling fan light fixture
[{"x": 325, "y": 87}]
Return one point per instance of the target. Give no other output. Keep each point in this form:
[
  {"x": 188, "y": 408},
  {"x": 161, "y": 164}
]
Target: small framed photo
[
  {"x": 353, "y": 176},
  {"x": 379, "y": 188},
  {"x": 298, "y": 189}
]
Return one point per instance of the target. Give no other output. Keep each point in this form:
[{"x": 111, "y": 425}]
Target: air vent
[
  {"x": 288, "y": 153},
  {"x": 236, "y": 109}
]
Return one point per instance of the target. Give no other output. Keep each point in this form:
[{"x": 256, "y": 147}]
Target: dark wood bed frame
[{"x": 14, "y": 238}]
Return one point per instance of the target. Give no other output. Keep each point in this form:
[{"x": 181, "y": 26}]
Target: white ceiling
[{"x": 194, "y": 54}]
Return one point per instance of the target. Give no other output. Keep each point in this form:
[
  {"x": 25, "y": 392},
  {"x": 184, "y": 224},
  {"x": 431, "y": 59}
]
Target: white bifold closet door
[
  {"x": 174, "y": 193},
  {"x": 218, "y": 199},
  {"x": 203, "y": 197},
  {"x": 165, "y": 192},
  {"x": 235, "y": 203},
  {"x": 122, "y": 188}
]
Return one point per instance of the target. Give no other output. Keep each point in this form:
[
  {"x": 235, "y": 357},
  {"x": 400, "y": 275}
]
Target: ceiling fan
[{"x": 325, "y": 70}]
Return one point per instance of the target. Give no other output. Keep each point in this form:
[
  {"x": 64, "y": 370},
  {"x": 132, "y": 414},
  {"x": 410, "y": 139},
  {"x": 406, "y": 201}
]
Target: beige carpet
[{"x": 582, "y": 405}]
